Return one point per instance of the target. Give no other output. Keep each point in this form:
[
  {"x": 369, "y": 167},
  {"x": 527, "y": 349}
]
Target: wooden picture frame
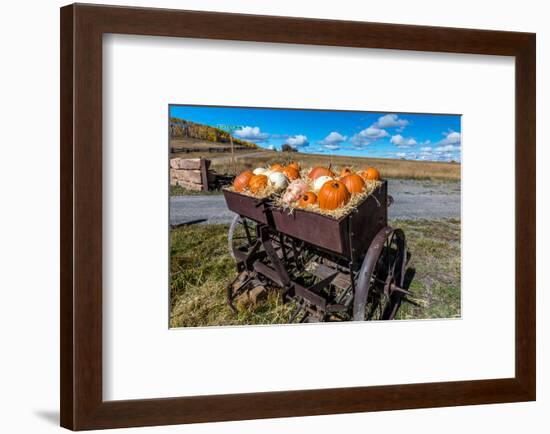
[{"x": 82, "y": 28}]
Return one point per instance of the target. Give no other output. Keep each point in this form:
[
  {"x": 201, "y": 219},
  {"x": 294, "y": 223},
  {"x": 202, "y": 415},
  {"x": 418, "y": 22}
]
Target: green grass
[
  {"x": 201, "y": 268},
  {"x": 435, "y": 254}
]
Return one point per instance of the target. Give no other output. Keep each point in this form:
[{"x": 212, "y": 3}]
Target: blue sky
[{"x": 428, "y": 137}]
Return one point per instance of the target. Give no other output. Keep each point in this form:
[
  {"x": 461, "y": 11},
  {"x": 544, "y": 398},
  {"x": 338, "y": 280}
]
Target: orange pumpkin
[
  {"x": 241, "y": 180},
  {"x": 309, "y": 198},
  {"x": 295, "y": 165},
  {"x": 354, "y": 183},
  {"x": 320, "y": 171},
  {"x": 371, "y": 174},
  {"x": 291, "y": 173},
  {"x": 276, "y": 167},
  {"x": 332, "y": 195},
  {"x": 345, "y": 172},
  {"x": 257, "y": 183}
]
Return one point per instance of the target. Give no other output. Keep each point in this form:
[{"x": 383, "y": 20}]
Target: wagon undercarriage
[{"x": 369, "y": 283}]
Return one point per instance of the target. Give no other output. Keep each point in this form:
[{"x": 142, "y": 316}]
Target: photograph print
[{"x": 293, "y": 216}]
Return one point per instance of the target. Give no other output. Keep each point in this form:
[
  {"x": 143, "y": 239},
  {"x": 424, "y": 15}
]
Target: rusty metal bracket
[{"x": 272, "y": 255}]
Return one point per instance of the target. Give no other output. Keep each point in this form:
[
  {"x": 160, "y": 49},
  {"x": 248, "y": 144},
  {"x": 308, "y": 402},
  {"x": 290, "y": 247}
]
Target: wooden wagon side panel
[
  {"x": 245, "y": 206},
  {"x": 316, "y": 229},
  {"x": 355, "y": 230},
  {"x": 368, "y": 220}
]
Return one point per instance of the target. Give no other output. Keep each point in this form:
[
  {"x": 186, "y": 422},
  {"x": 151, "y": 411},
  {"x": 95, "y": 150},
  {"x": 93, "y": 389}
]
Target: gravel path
[{"x": 412, "y": 200}]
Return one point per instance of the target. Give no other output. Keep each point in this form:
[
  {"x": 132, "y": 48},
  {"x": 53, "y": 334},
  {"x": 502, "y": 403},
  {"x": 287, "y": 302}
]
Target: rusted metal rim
[
  {"x": 369, "y": 264},
  {"x": 230, "y": 235},
  {"x": 231, "y": 238}
]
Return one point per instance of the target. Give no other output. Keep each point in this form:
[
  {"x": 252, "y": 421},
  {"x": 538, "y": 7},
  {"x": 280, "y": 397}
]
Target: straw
[{"x": 277, "y": 198}]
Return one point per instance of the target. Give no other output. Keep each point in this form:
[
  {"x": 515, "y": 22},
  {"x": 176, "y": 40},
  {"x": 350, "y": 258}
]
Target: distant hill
[{"x": 182, "y": 129}]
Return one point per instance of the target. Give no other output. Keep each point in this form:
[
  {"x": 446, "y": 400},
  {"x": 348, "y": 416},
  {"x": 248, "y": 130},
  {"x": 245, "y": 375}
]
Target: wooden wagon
[{"x": 348, "y": 268}]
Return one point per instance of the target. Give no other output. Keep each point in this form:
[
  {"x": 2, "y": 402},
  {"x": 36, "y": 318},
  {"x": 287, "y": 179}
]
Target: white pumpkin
[
  {"x": 294, "y": 191},
  {"x": 319, "y": 182},
  {"x": 278, "y": 180},
  {"x": 260, "y": 171}
]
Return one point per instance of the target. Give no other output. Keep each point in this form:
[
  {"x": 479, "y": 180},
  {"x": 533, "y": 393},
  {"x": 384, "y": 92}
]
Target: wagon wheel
[
  {"x": 379, "y": 289},
  {"x": 242, "y": 233}
]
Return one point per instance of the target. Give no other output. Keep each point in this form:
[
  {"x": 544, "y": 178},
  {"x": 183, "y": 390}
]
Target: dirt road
[{"x": 413, "y": 199}]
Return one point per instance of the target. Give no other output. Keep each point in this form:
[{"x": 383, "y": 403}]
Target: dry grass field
[
  {"x": 247, "y": 159},
  {"x": 192, "y": 148}
]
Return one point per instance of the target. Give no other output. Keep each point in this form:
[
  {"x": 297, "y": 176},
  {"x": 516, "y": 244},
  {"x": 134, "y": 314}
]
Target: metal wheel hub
[{"x": 389, "y": 284}]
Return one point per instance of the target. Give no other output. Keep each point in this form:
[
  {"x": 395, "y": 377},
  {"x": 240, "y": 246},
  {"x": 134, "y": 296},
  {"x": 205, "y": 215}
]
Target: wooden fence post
[{"x": 204, "y": 174}]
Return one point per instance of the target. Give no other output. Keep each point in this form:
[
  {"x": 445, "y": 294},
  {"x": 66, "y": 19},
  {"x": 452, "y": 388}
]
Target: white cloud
[
  {"x": 397, "y": 140},
  {"x": 374, "y": 133},
  {"x": 360, "y": 140},
  {"x": 402, "y": 142},
  {"x": 447, "y": 148},
  {"x": 251, "y": 133},
  {"x": 391, "y": 121},
  {"x": 445, "y": 153},
  {"x": 333, "y": 139},
  {"x": 376, "y": 130},
  {"x": 298, "y": 141},
  {"x": 368, "y": 135},
  {"x": 332, "y": 147},
  {"x": 451, "y": 138}
]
